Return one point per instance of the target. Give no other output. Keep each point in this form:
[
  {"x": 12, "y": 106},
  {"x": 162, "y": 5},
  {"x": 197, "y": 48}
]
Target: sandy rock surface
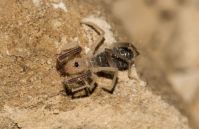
[{"x": 32, "y": 32}]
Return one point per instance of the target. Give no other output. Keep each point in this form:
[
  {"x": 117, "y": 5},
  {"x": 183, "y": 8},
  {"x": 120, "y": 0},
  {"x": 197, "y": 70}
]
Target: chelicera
[{"x": 81, "y": 71}]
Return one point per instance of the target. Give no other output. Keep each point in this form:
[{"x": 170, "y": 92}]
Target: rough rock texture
[{"x": 31, "y": 97}]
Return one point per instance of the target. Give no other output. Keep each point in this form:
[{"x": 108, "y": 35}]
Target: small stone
[{"x": 49, "y": 62}]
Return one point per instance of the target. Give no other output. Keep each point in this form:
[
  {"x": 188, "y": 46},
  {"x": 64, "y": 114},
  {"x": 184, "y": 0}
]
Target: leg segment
[
  {"x": 92, "y": 85},
  {"x": 64, "y": 55},
  {"x": 129, "y": 70},
  {"x": 113, "y": 71},
  {"x": 101, "y": 33},
  {"x": 79, "y": 83}
]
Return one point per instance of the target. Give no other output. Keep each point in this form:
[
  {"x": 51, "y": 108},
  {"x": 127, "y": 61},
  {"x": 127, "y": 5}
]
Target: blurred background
[{"x": 167, "y": 34}]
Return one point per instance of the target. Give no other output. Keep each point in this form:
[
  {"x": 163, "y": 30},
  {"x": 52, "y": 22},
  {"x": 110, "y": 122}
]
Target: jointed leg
[
  {"x": 101, "y": 33},
  {"x": 65, "y": 54},
  {"x": 78, "y": 92},
  {"x": 130, "y": 70},
  {"x": 92, "y": 85},
  {"x": 84, "y": 88},
  {"x": 113, "y": 71},
  {"x": 74, "y": 88},
  {"x": 78, "y": 84},
  {"x": 88, "y": 89}
]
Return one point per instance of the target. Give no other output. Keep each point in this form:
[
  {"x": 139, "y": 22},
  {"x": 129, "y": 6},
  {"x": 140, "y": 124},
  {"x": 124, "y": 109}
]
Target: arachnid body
[{"x": 80, "y": 72}]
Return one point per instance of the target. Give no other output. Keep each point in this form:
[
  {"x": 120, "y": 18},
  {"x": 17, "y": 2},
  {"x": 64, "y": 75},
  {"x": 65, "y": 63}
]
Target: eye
[{"x": 76, "y": 64}]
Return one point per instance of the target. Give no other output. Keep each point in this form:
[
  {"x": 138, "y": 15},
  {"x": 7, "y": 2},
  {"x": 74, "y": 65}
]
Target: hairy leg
[
  {"x": 88, "y": 90},
  {"x": 73, "y": 87},
  {"x": 65, "y": 54}
]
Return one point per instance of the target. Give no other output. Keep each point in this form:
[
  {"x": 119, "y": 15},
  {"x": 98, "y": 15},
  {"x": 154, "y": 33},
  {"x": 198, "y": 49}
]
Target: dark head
[
  {"x": 124, "y": 55},
  {"x": 126, "y": 50}
]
